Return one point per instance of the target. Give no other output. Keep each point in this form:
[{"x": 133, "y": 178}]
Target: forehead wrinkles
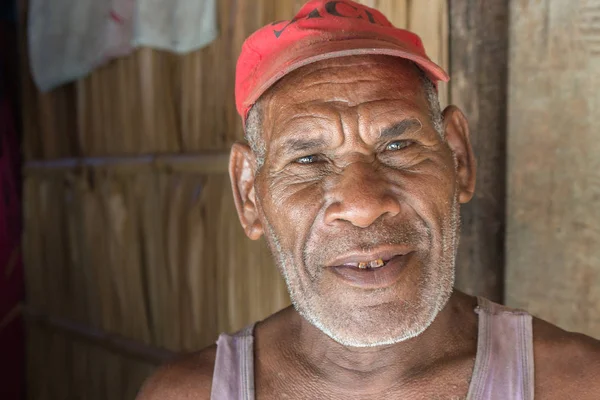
[
  {"x": 282, "y": 116},
  {"x": 372, "y": 68},
  {"x": 341, "y": 82},
  {"x": 380, "y": 70}
]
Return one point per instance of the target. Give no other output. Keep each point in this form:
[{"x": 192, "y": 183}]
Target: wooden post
[{"x": 478, "y": 70}]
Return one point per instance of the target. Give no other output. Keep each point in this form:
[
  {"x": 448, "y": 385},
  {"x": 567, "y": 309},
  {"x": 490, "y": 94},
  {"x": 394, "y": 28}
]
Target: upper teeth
[{"x": 371, "y": 264}]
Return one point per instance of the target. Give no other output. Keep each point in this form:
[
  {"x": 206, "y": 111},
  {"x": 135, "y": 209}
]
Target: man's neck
[{"x": 452, "y": 334}]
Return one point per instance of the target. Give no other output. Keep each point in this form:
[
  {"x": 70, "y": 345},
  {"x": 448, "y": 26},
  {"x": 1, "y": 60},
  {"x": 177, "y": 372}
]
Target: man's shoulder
[
  {"x": 567, "y": 364},
  {"x": 188, "y": 377}
]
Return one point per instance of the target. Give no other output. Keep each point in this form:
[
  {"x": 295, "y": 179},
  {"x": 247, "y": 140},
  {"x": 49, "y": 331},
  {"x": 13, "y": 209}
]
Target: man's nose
[{"x": 360, "y": 196}]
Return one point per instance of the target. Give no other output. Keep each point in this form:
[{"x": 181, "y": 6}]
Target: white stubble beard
[{"x": 439, "y": 282}]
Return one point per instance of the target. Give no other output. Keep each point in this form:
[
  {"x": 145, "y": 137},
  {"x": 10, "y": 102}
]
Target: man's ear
[
  {"x": 242, "y": 174},
  {"x": 458, "y": 137}
]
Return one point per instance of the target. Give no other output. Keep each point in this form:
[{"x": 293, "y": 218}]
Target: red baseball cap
[{"x": 323, "y": 29}]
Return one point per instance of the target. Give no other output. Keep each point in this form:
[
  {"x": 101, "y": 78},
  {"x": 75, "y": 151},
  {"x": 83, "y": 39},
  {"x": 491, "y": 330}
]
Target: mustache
[{"x": 322, "y": 246}]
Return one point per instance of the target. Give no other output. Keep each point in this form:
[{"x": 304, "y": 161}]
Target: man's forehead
[
  {"x": 364, "y": 68},
  {"x": 374, "y": 85}
]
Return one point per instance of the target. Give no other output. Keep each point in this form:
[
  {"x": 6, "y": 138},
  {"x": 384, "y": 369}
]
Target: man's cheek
[
  {"x": 295, "y": 198},
  {"x": 293, "y": 206}
]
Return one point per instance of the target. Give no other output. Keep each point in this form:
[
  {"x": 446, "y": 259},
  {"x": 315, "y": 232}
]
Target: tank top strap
[
  {"x": 504, "y": 361},
  {"x": 233, "y": 377}
]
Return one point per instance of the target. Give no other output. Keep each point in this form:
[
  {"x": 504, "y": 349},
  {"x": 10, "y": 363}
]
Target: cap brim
[{"x": 296, "y": 57}]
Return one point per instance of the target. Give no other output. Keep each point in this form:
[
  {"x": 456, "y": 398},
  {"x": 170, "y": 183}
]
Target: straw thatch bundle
[
  {"x": 62, "y": 368},
  {"x": 126, "y": 256},
  {"x": 150, "y": 250},
  {"x": 157, "y": 102}
]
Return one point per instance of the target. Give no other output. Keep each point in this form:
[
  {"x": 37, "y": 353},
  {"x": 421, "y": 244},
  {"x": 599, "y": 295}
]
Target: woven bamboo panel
[
  {"x": 151, "y": 253},
  {"x": 155, "y": 102},
  {"x": 61, "y": 368},
  {"x": 151, "y": 250}
]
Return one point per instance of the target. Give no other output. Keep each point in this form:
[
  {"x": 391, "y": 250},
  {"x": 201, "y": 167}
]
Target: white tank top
[{"x": 503, "y": 364}]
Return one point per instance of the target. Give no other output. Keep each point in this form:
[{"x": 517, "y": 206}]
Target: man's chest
[{"x": 450, "y": 381}]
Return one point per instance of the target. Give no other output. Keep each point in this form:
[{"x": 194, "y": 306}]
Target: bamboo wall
[{"x": 132, "y": 242}]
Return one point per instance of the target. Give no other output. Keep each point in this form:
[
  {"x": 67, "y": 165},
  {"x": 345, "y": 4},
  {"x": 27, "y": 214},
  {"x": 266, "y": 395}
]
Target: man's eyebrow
[
  {"x": 399, "y": 129},
  {"x": 301, "y": 144}
]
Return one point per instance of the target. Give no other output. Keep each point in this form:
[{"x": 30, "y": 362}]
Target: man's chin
[
  {"x": 372, "y": 326},
  {"x": 363, "y": 341}
]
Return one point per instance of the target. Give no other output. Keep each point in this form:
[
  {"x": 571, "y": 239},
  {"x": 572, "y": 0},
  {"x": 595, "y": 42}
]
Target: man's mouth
[
  {"x": 372, "y": 264},
  {"x": 370, "y": 270},
  {"x": 369, "y": 259}
]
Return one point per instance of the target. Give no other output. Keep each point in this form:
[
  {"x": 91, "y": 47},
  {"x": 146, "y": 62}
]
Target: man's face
[{"x": 356, "y": 176}]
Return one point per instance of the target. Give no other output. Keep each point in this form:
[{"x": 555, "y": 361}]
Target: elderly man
[{"x": 355, "y": 178}]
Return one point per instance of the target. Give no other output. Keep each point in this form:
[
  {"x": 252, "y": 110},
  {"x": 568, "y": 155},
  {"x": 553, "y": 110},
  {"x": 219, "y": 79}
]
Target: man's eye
[
  {"x": 307, "y": 159},
  {"x": 398, "y": 145}
]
